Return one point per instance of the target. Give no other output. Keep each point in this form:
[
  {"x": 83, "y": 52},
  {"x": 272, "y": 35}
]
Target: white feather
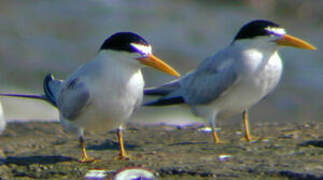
[
  {"x": 145, "y": 50},
  {"x": 276, "y": 31}
]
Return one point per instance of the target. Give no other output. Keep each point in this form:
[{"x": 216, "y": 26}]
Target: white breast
[
  {"x": 269, "y": 77},
  {"x": 116, "y": 89},
  {"x": 251, "y": 88}
]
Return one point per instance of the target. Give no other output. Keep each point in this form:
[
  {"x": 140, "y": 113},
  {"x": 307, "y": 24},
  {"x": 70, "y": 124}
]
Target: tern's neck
[
  {"x": 255, "y": 53},
  {"x": 261, "y": 45},
  {"x": 118, "y": 60},
  {"x": 112, "y": 65}
]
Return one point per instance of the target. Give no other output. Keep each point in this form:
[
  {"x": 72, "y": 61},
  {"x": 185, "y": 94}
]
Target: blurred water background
[{"x": 42, "y": 36}]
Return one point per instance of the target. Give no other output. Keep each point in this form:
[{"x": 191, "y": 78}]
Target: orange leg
[
  {"x": 85, "y": 158},
  {"x": 247, "y": 136},
  {"x": 123, "y": 155},
  {"x": 216, "y": 138}
]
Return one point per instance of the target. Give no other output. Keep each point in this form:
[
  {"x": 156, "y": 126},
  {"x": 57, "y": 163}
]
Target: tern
[
  {"x": 235, "y": 78},
  {"x": 103, "y": 93}
]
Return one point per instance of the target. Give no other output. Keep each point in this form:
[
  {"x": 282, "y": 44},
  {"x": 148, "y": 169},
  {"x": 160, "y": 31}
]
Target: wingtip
[
  {"x": 49, "y": 77},
  {"x": 49, "y": 94}
]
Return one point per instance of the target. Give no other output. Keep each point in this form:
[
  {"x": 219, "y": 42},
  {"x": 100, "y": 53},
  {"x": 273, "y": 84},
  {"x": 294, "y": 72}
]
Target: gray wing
[
  {"x": 214, "y": 76},
  {"x": 74, "y": 97}
]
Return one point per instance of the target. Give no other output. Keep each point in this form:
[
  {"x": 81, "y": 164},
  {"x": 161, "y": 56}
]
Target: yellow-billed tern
[
  {"x": 235, "y": 78},
  {"x": 103, "y": 93}
]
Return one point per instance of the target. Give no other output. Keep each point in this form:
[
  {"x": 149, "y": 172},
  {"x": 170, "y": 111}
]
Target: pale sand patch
[{"x": 19, "y": 109}]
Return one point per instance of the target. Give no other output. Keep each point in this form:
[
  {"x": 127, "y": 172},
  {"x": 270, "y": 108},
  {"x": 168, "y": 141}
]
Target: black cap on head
[
  {"x": 121, "y": 41},
  {"x": 255, "y": 28}
]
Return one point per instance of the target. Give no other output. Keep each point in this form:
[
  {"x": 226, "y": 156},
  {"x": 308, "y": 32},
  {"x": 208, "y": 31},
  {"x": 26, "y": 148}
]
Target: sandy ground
[{"x": 285, "y": 151}]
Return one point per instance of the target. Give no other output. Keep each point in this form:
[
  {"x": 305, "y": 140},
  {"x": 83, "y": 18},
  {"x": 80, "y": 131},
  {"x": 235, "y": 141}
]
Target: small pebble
[
  {"x": 239, "y": 133},
  {"x": 205, "y": 129},
  {"x": 96, "y": 174},
  {"x": 224, "y": 157}
]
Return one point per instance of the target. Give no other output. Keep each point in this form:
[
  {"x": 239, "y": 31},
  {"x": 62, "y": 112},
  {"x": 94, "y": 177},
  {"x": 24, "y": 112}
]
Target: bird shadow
[
  {"x": 109, "y": 144},
  {"x": 28, "y": 160},
  {"x": 187, "y": 143},
  {"x": 315, "y": 143}
]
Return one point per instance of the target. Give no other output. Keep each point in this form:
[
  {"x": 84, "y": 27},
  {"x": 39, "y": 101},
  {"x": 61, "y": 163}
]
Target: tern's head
[
  {"x": 137, "y": 49},
  {"x": 263, "y": 31}
]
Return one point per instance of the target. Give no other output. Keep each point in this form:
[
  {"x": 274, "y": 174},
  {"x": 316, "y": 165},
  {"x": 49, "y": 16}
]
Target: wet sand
[{"x": 285, "y": 151}]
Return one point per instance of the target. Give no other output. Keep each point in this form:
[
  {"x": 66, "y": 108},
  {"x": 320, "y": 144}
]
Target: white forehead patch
[
  {"x": 276, "y": 31},
  {"x": 142, "y": 48}
]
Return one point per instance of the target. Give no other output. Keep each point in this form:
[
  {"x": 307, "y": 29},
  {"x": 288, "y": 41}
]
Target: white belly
[
  {"x": 114, "y": 95},
  {"x": 114, "y": 104},
  {"x": 251, "y": 89}
]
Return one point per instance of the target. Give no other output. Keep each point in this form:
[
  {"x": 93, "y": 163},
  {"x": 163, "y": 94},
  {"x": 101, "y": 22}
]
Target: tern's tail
[
  {"x": 169, "y": 93},
  {"x": 163, "y": 90},
  {"x": 32, "y": 96},
  {"x": 165, "y": 101},
  {"x": 51, "y": 88}
]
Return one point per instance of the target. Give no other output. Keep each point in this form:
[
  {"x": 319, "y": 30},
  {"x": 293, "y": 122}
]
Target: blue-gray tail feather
[
  {"x": 170, "y": 94},
  {"x": 156, "y": 92},
  {"x": 48, "y": 96},
  {"x": 166, "y": 101},
  {"x": 164, "y": 89},
  {"x": 31, "y": 96}
]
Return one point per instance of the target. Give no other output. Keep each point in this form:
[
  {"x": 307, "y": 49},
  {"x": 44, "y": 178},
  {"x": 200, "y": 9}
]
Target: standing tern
[
  {"x": 103, "y": 93},
  {"x": 235, "y": 78}
]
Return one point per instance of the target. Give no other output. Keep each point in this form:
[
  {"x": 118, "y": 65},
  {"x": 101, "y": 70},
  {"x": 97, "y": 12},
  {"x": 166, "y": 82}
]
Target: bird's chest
[
  {"x": 114, "y": 95},
  {"x": 265, "y": 78},
  {"x": 252, "y": 87},
  {"x": 118, "y": 97}
]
